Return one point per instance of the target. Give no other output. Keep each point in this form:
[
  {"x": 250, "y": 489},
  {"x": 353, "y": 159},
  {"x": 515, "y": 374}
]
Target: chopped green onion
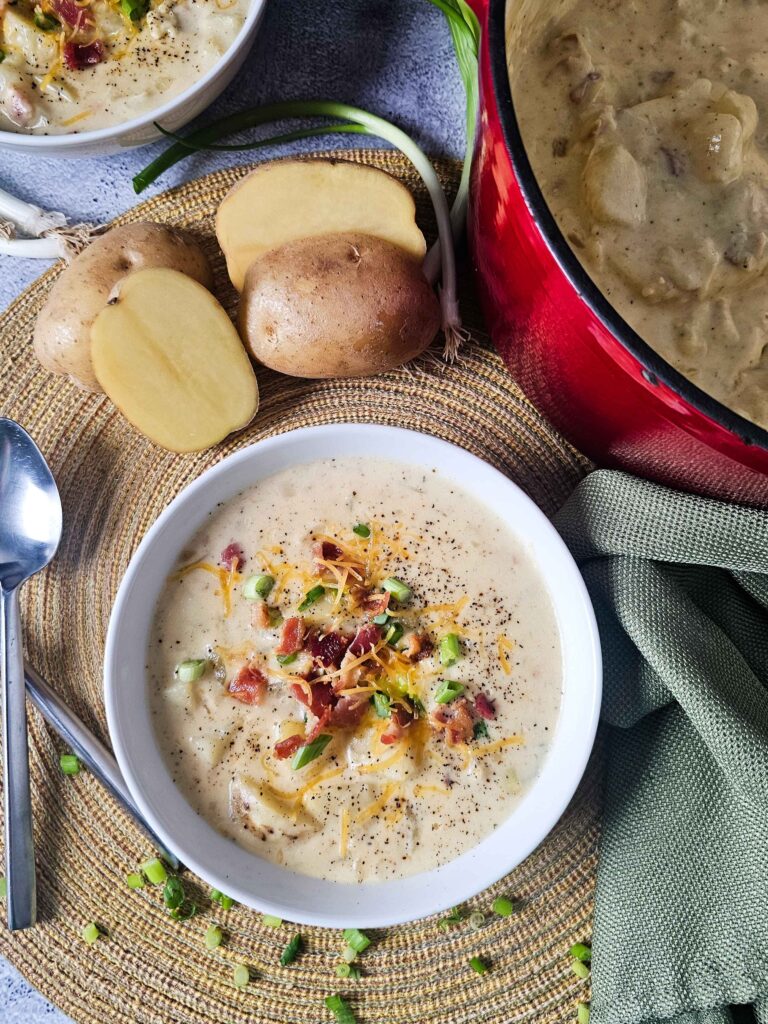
[
  {"x": 311, "y": 596},
  {"x": 225, "y": 902},
  {"x": 418, "y": 706},
  {"x": 381, "y": 703},
  {"x": 399, "y": 590},
  {"x": 381, "y": 620},
  {"x": 394, "y": 633},
  {"x": 358, "y": 940},
  {"x": 286, "y": 659},
  {"x": 447, "y": 691},
  {"x": 241, "y": 976},
  {"x": 304, "y": 755},
  {"x": 292, "y": 950},
  {"x": 582, "y": 1013},
  {"x": 3, "y": 888},
  {"x": 478, "y": 965},
  {"x": 347, "y": 971},
  {"x": 362, "y": 530},
  {"x": 450, "y": 651},
  {"x": 349, "y": 954},
  {"x": 154, "y": 871},
  {"x": 503, "y": 907},
  {"x": 134, "y": 880},
  {"x": 213, "y": 936},
  {"x": 581, "y": 951},
  {"x": 476, "y": 920},
  {"x": 191, "y": 670},
  {"x": 184, "y": 912},
  {"x": 45, "y": 22},
  {"x": 69, "y": 764},
  {"x": 2, "y": 56},
  {"x": 270, "y": 921},
  {"x": 258, "y": 587},
  {"x": 581, "y": 970},
  {"x": 480, "y": 730},
  {"x": 173, "y": 893},
  {"x": 134, "y": 9},
  {"x": 454, "y": 917},
  {"x": 90, "y": 933},
  {"x": 340, "y": 1009}
]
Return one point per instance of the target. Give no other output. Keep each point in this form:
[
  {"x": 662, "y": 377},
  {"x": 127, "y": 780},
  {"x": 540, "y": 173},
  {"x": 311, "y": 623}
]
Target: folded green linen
[{"x": 680, "y": 588}]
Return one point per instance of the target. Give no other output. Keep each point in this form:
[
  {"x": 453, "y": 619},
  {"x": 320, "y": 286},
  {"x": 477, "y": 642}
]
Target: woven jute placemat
[{"x": 149, "y": 969}]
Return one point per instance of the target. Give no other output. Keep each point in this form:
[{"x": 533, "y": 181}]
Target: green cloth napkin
[{"x": 680, "y": 588}]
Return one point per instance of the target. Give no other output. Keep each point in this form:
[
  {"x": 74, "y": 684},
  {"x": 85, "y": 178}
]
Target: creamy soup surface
[
  {"x": 646, "y": 124},
  {"x": 79, "y": 65},
  {"x": 427, "y": 744}
]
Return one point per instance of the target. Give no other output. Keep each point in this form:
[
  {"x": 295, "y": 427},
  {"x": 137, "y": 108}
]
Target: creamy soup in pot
[
  {"x": 355, "y": 670},
  {"x": 78, "y": 65},
  {"x": 645, "y": 123}
]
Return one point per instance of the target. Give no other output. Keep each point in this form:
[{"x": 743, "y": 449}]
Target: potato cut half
[
  {"x": 290, "y": 199},
  {"x": 170, "y": 359}
]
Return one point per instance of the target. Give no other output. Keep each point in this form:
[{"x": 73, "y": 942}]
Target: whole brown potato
[
  {"x": 342, "y": 305},
  {"x": 62, "y": 338}
]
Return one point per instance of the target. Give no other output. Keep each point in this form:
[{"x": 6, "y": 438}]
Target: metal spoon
[{"x": 30, "y": 529}]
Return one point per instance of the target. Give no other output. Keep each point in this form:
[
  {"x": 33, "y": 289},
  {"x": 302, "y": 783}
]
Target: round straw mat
[{"x": 149, "y": 969}]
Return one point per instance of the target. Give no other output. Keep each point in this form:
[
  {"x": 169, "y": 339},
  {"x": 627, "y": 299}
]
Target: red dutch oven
[{"x": 580, "y": 363}]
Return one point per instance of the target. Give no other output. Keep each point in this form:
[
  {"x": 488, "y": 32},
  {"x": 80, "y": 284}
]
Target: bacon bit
[
  {"x": 232, "y": 556},
  {"x": 322, "y": 697},
  {"x": 348, "y": 711},
  {"x": 318, "y": 727},
  {"x": 288, "y": 746},
  {"x": 365, "y": 640},
  {"x": 399, "y": 721},
  {"x": 248, "y": 686},
  {"x": 485, "y": 707},
  {"x": 325, "y": 551},
  {"x": 376, "y": 604},
  {"x": 328, "y": 648},
  {"x": 455, "y": 720},
  {"x": 260, "y": 615},
  {"x": 71, "y": 13},
  {"x": 419, "y": 647},
  {"x": 78, "y": 56},
  {"x": 292, "y": 636}
]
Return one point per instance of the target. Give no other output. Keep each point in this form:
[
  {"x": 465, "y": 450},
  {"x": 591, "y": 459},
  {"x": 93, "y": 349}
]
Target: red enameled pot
[{"x": 582, "y": 365}]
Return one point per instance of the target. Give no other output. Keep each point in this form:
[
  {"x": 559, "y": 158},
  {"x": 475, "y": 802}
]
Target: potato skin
[
  {"x": 343, "y": 305},
  {"x": 62, "y": 333}
]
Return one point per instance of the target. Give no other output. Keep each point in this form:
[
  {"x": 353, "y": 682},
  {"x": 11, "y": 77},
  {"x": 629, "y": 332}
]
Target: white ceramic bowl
[
  {"x": 266, "y": 886},
  {"x": 139, "y": 131}
]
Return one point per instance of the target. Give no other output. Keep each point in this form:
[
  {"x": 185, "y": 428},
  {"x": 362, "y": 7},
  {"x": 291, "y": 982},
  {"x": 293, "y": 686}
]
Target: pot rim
[{"x": 657, "y": 368}]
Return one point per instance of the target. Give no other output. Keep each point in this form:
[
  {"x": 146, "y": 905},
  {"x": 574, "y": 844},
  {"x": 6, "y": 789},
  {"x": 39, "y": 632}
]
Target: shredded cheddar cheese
[
  {"x": 378, "y": 804},
  {"x": 491, "y": 748},
  {"x": 226, "y": 577},
  {"x": 366, "y": 769},
  {"x": 505, "y": 648}
]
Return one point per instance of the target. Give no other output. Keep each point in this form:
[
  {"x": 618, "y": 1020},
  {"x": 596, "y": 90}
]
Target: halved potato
[
  {"x": 168, "y": 356},
  {"x": 290, "y": 199}
]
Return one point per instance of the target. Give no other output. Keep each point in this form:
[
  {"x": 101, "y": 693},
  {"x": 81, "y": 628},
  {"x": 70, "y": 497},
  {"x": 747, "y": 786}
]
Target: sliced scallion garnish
[
  {"x": 399, "y": 590},
  {"x": 476, "y": 920},
  {"x": 241, "y": 975},
  {"x": 480, "y": 730},
  {"x": 225, "y": 902},
  {"x": 478, "y": 966},
  {"x": 191, "y": 670},
  {"x": 358, "y": 940},
  {"x": 340, "y": 1009},
  {"x": 311, "y": 596},
  {"x": 270, "y": 921},
  {"x": 292, "y": 950},
  {"x": 173, "y": 893},
  {"x": 381, "y": 620},
  {"x": 381, "y": 703},
  {"x": 347, "y": 971},
  {"x": 134, "y": 10},
  {"x": 503, "y": 906},
  {"x": 450, "y": 651},
  {"x": 312, "y": 750},
  {"x": 258, "y": 587},
  {"x": 581, "y": 951},
  {"x": 90, "y": 933},
  {"x": 455, "y": 917},
  {"x": 3, "y": 888},
  {"x": 394, "y": 633},
  {"x": 154, "y": 871},
  {"x": 45, "y": 22},
  {"x": 447, "y": 691},
  {"x": 582, "y": 1013},
  {"x": 213, "y": 936},
  {"x": 580, "y": 969},
  {"x": 69, "y": 764},
  {"x": 349, "y": 955},
  {"x": 362, "y": 530},
  {"x": 286, "y": 659},
  {"x": 134, "y": 880}
]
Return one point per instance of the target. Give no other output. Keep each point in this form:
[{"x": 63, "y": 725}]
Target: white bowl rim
[
  {"x": 382, "y": 904},
  {"x": 64, "y": 140}
]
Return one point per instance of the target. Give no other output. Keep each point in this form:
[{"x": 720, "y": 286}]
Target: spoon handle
[{"x": 19, "y": 848}]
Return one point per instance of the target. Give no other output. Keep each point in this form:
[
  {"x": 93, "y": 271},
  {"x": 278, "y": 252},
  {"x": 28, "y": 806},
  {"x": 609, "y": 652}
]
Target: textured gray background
[{"x": 393, "y": 57}]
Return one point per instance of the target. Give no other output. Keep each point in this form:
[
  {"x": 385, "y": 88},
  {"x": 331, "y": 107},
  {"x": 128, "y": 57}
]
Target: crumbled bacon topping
[
  {"x": 232, "y": 556},
  {"x": 327, "y": 648},
  {"x": 321, "y": 699},
  {"x": 78, "y": 56},
  {"x": 248, "y": 686},
  {"x": 348, "y": 711},
  {"x": 376, "y": 604},
  {"x": 292, "y": 636},
  {"x": 260, "y": 615},
  {"x": 365, "y": 640},
  {"x": 455, "y": 721},
  {"x": 485, "y": 707},
  {"x": 400, "y": 718},
  {"x": 74, "y": 15},
  {"x": 288, "y": 746},
  {"x": 419, "y": 646}
]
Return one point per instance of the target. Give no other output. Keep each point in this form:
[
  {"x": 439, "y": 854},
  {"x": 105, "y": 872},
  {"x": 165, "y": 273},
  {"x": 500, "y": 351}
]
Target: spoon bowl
[{"x": 30, "y": 530}]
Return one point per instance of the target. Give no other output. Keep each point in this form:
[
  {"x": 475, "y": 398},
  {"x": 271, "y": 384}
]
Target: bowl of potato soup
[
  {"x": 352, "y": 675},
  {"x": 86, "y": 77}
]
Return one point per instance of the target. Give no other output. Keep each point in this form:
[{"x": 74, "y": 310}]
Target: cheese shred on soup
[{"x": 355, "y": 670}]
